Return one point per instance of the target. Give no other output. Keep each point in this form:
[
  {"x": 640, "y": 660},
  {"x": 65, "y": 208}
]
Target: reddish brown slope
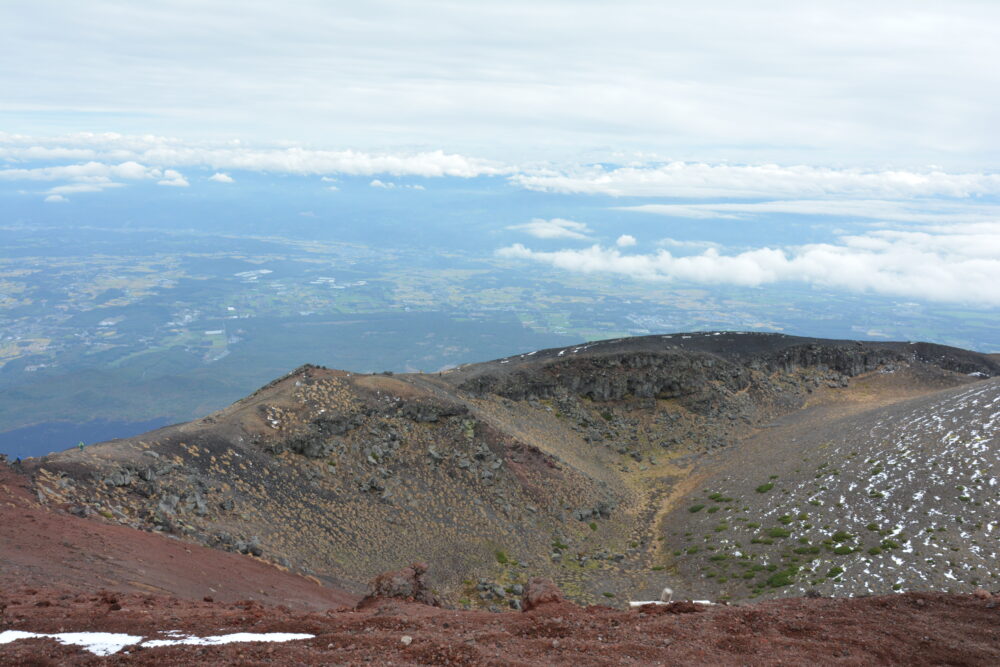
[
  {"x": 908, "y": 629},
  {"x": 41, "y": 547}
]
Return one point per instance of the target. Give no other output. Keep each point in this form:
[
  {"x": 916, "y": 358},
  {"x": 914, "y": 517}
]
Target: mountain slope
[
  {"x": 42, "y": 548},
  {"x": 577, "y": 463}
]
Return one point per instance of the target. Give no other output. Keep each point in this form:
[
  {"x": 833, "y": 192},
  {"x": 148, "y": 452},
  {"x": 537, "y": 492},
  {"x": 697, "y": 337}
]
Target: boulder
[{"x": 540, "y": 591}]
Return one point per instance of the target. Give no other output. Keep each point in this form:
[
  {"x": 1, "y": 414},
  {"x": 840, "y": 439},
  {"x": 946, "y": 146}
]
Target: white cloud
[
  {"x": 923, "y": 210},
  {"x": 792, "y": 188},
  {"x": 92, "y": 176},
  {"x": 173, "y": 179},
  {"x": 703, "y": 180},
  {"x": 625, "y": 241},
  {"x": 87, "y": 186},
  {"x": 164, "y": 152},
  {"x": 389, "y": 185},
  {"x": 88, "y": 171},
  {"x": 55, "y": 199},
  {"x": 951, "y": 263},
  {"x": 556, "y": 228},
  {"x": 149, "y": 157}
]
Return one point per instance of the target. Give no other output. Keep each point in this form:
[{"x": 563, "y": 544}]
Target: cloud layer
[
  {"x": 102, "y": 161},
  {"x": 922, "y": 210},
  {"x": 848, "y": 81},
  {"x": 953, "y": 263},
  {"x": 165, "y": 152},
  {"x": 704, "y": 180},
  {"x": 556, "y": 228}
]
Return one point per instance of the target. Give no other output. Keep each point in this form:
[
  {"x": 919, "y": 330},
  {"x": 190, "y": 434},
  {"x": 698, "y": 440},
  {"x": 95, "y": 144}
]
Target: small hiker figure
[{"x": 80, "y": 445}]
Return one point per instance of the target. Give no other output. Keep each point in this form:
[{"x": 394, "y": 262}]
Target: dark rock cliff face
[
  {"x": 676, "y": 372},
  {"x": 671, "y": 374},
  {"x": 856, "y": 358}
]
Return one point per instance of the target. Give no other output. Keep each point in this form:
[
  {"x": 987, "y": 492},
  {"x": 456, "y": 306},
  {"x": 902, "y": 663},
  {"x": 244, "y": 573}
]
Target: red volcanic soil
[
  {"x": 905, "y": 629},
  {"x": 41, "y": 547},
  {"x": 60, "y": 573}
]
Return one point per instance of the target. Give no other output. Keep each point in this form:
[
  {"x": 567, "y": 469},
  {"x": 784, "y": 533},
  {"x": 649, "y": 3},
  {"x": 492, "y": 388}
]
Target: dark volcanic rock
[
  {"x": 697, "y": 365},
  {"x": 430, "y": 412}
]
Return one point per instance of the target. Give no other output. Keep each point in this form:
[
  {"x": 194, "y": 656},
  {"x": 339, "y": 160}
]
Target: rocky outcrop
[
  {"x": 407, "y": 584},
  {"x": 696, "y": 375},
  {"x": 670, "y": 374}
]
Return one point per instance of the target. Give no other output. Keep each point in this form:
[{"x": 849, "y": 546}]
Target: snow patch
[
  {"x": 228, "y": 639},
  {"x": 107, "y": 643},
  {"x": 98, "y": 643}
]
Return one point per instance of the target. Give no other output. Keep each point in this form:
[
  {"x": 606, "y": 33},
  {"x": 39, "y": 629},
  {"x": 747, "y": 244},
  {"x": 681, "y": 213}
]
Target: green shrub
[
  {"x": 806, "y": 550},
  {"x": 779, "y": 532},
  {"x": 785, "y": 519},
  {"x": 696, "y": 508},
  {"x": 835, "y": 571},
  {"x": 841, "y": 536},
  {"x": 713, "y": 509},
  {"x": 764, "y": 488},
  {"x": 593, "y": 525},
  {"x": 874, "y": 551},
  {"x": 782, "y": 577},
  {"x": 502, "y": 557},
  {"x": 843, "y": 550},
  {"x": 872, "y": 526}
]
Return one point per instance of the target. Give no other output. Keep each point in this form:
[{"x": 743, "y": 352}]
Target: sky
[
  {"x": 910, "y": 83},
  {"x": 880, "y": 113}
]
